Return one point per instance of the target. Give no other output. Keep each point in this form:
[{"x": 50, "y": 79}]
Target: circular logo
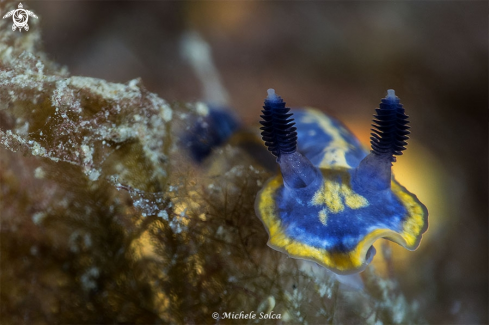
[{"x": 20, "y": 18}]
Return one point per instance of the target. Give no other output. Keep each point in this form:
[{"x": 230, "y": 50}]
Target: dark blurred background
[{"x": 339, "y": 57}]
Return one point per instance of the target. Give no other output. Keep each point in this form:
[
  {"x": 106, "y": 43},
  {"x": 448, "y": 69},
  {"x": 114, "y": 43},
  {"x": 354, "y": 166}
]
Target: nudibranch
[
  {"x": 213, "y": 127},
  {"x": 333, "y": 199}
]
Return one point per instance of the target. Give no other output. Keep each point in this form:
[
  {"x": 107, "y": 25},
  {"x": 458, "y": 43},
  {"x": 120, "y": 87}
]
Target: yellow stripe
[{"x": 335, "y": 153}]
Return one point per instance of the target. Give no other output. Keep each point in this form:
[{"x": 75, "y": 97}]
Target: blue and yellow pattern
[
  {"x": 326, "y": 141},
  {"x": 334, "y": 220}
]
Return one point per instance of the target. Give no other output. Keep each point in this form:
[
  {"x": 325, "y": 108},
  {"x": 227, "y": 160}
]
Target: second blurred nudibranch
[
  {"x": 209, "y": 129},
  {"x": 334, "y": 199}
]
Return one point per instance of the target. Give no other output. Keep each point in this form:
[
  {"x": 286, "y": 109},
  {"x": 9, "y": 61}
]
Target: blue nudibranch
[{"x": 334, "y": 199}]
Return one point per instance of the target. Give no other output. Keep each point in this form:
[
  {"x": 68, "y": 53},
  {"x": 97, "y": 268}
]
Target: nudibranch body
[{"x": 334, "y": 199}]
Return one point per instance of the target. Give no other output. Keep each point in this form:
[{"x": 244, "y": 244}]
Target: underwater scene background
[{"x": 106, "y": 218}]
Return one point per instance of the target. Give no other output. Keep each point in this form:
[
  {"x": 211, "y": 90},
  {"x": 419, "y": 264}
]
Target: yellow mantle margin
[{"x": 343, "y": 263}]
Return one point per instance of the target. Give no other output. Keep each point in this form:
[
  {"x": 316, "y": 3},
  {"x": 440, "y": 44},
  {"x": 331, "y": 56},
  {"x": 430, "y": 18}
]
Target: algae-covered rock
[{"x": 103, "y": 221}]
